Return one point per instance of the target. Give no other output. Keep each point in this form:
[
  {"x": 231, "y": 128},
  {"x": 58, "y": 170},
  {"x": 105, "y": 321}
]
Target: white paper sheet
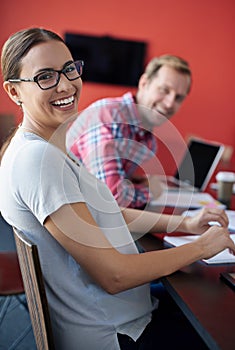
[
  {"x": 230, "y": 213},
  {"x": 221, "y": 258},
  {"x": 186, "y": 200}
]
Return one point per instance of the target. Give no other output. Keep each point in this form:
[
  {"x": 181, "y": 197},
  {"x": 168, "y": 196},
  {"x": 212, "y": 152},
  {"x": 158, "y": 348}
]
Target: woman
[{"x": 97, "y": 284}]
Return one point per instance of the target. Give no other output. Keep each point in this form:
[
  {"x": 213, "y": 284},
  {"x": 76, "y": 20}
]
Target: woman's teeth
[{"x": 64, "y": 102}]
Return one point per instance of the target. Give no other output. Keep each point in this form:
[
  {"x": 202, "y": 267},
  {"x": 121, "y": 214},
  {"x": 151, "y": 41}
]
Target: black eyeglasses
[{"x": 51, "y": 77}]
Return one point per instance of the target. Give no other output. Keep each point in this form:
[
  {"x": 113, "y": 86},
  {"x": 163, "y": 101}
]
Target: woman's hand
[
  {"x": 200, "y": 223},
  {"x": 214, "y": 240}
]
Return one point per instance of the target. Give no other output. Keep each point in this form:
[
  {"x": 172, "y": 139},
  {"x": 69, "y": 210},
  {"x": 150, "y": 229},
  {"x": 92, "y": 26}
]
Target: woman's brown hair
[{"x": 14, "y": 50}]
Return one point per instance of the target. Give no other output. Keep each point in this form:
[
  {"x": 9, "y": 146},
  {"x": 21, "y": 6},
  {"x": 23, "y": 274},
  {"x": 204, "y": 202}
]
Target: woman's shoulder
[{"x": 29, "y": 150}]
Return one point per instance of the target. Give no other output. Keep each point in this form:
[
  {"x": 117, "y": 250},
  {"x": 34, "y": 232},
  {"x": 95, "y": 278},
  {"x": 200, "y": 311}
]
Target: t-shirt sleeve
[{"x": 49, "y": 180}]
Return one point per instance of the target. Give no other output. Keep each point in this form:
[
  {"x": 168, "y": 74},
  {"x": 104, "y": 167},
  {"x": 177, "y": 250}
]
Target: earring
[{"x": 19, "y": 103}]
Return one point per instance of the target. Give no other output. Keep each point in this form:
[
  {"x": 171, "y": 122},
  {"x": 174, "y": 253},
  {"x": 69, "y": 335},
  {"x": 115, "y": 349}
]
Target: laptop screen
[{"x": 199, "y": 163}]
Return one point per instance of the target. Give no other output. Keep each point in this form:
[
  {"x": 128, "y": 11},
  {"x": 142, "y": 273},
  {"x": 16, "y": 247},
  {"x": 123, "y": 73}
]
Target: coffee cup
[{"x": 225, "y": 181}]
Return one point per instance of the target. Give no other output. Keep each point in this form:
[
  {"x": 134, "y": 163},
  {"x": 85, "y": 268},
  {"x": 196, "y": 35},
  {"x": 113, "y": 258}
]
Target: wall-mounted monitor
[{"x": 107, "y": 59}]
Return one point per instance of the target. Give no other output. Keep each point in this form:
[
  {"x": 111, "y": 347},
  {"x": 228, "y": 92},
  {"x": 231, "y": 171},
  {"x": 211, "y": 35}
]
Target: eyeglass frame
[{"x": 62, "y": 71}]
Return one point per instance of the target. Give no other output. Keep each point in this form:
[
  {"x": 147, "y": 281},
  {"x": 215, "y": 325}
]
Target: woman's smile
[{"x": 64, "y": 103}]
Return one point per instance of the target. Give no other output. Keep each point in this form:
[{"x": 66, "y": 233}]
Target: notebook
[{"x": 196, "y": 167}]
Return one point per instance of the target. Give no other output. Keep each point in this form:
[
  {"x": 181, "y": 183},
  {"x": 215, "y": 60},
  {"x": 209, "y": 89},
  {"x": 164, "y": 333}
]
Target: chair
[
  {"x": 35, "y": 291},
  {"x": 13, "y": 304},
  {"x": 11, "y": 283}
]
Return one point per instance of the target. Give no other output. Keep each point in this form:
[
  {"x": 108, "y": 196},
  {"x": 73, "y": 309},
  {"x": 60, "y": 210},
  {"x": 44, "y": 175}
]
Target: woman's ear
[{"x": 12, "y": 92}]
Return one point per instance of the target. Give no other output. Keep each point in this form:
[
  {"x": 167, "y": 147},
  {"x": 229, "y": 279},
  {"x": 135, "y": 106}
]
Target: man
[{"x": 113, "y": 136}]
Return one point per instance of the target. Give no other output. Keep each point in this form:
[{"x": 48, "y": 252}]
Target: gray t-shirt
[{"x": 36, "y": 179}]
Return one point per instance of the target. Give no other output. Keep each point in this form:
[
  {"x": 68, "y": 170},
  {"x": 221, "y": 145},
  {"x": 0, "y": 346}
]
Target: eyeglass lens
[{"x": 51, "y": 78}]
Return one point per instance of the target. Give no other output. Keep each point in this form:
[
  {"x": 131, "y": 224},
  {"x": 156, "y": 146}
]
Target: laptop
[{"x": 196, "y": 167}]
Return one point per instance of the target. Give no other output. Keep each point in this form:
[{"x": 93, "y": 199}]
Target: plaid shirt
[{"x": 109, "y": 141}]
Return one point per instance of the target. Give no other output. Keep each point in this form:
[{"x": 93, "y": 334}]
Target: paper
[
  {"x": 186, "y": 200},
  {"x": 223, "y": 257},
  {"x": 230, "y": 213}
]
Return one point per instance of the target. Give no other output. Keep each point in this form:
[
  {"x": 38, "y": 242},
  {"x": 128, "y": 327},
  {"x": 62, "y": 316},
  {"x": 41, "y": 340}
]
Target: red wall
[{"x": 202, "y": 32}]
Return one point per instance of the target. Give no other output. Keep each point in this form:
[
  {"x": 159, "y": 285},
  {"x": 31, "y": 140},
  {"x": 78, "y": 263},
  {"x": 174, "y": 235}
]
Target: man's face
[{"x": 160, "y": 98}]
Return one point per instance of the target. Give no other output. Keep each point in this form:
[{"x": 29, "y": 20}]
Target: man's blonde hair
[{"x": 177, "y": 63}]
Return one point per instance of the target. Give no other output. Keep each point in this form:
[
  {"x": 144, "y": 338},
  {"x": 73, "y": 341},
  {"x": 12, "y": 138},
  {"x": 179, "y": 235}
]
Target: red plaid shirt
[{"x": 110, "y": 142}]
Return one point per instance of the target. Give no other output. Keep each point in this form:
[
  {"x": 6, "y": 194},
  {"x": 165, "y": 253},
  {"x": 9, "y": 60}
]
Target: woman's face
[{"x": 52, "y": 107}]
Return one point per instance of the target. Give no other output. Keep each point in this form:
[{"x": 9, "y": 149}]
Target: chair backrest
[
  {"x": 35, "y": 291},
  {"x": 10, "y": 276}
]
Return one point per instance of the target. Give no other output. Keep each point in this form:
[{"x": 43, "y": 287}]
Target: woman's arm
[
  {"x": 143, "y": 221},
  {"x": 75, "y": 229}
]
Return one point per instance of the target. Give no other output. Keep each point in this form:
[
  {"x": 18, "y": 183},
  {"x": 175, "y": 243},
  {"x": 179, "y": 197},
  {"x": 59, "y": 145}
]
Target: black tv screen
[{"x": 108, "y": 60}]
